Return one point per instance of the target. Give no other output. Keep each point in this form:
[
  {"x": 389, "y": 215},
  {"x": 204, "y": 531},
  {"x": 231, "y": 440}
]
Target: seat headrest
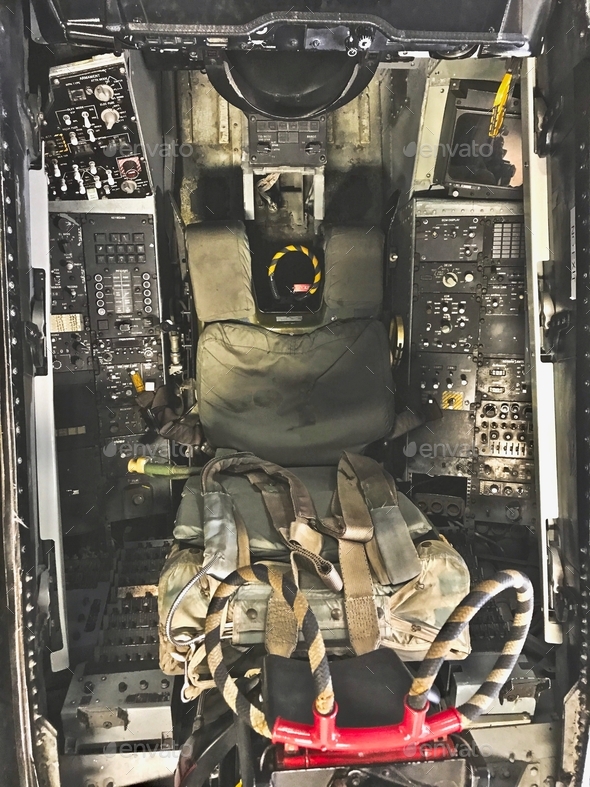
[{"x": 220, "y": 268}]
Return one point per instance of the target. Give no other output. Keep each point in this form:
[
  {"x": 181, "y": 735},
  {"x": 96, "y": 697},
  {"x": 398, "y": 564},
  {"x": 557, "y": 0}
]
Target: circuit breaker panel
[{"x": 463, "y": 300}]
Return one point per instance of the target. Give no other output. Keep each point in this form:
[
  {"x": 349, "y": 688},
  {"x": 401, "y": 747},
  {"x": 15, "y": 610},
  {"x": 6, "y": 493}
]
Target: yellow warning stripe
[{"x": 312, "y": 258}]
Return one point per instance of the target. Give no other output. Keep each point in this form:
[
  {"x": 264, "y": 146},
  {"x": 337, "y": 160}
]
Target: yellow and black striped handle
[
  {"x": 457, "y": 622},
  {"x": 306, "y": 622},
  {"x": 317, "y": 272}
]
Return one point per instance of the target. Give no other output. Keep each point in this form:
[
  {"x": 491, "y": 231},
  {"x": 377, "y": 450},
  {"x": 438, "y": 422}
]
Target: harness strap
[
  {"x": 243, "y": 539},
  {"x": 393, "y": 538},
  {"x": 302, "y": 540},
  {"x": 356, "y": 530},
  {"x": 299, "y": 530},
  {"x": 280, "y": 636},
  {"x": 304, "y": 544}
]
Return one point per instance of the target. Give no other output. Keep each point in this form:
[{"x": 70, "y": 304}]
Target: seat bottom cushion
[{"x": 295, "y": 399}]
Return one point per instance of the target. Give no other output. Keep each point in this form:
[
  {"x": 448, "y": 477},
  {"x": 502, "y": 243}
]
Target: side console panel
[
  {"x": 93, "y": 147},
  {"x": 464, "y": 304},
  {"x": 105, "y": 317}
]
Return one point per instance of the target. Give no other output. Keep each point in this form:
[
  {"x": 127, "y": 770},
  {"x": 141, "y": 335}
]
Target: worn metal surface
[
  {"x": 121, "y": 707},
  {"x": 536, "y": 745},
  {"x": 119, "y": 769},
  {"x": 536, "y": 201},
  {"x": 212, "y": 136}
]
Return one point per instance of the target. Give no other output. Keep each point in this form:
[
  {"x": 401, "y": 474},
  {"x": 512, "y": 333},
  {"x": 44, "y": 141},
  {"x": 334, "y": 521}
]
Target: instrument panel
[
  {"x": 467, "y": 327},
  {"x": 93, "y": 148}
]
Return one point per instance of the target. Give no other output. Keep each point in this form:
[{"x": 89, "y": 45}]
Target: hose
[
  {"x": 453, "y": 628},
  {"x": 307, "y": 623},
  {"x": 417, "y": 699},
  {"x": 141, "y": 464},
  {"x": 180, "y": 643}
]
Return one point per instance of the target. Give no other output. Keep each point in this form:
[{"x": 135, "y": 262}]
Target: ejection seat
[
  {"x": 299, "y": 397},
  {"x": 295, "y": 396}
]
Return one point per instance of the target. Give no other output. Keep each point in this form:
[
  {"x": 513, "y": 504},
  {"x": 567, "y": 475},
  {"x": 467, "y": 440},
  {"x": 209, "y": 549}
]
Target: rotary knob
[
  {"x": 450, "y": 279},
  {"x": 365, "y": 41},
  {"x": 109, "y": 117},
  {"x": 128, "y": 186},
  {"x": 104, "y": 93}
]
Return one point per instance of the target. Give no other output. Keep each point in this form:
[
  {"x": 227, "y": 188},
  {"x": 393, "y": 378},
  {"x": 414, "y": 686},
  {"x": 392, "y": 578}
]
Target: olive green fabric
[
  {"x": 353, "y": 264},
  {"x": 220, "y": 270},
  {"x": 295, "y": 400},
  {"x": 409, "y": 614},
  {"x": 265, "y": 543}
]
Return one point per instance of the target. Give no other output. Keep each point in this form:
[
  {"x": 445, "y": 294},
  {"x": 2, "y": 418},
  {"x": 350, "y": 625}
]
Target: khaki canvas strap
[
  {"x": 359, "y": 603},
  {"x": 280, "y": 636},
  {"x": 357, "y": 530},
  {"x": 243, "y": 463},
  {"x": 393, "y": 538},
  {"x": 243, "y": 540},
  {"x": 301, "y": 539}
]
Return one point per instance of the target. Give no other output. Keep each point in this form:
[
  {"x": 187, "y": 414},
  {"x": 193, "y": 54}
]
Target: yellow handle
[
  {"x": 138, "y": 382},
  {"x": 499, "y": 107}
]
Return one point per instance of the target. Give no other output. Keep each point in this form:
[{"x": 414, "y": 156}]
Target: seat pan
[
  {"x": 370, "y": 690},
  {"x": 295, "y": 399}
]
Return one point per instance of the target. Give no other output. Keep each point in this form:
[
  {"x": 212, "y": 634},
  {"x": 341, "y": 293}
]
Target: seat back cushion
[
  {"x": 353, "y": 264},
  {"x": 220, "y": 271},
  {"x": 295, "y": 399}
]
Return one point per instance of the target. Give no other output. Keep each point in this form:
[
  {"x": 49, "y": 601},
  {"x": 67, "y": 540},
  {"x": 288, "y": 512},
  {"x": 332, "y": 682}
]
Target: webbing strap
[
  {"x": 243, "y": 463},
  {"x": 379, "y": 495},
  {"x": 280, "y": 636},
  {"x": 359, "y": 603},
  {"x": 302, "y": 540},
  {"x": 243, "y": 540}
]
